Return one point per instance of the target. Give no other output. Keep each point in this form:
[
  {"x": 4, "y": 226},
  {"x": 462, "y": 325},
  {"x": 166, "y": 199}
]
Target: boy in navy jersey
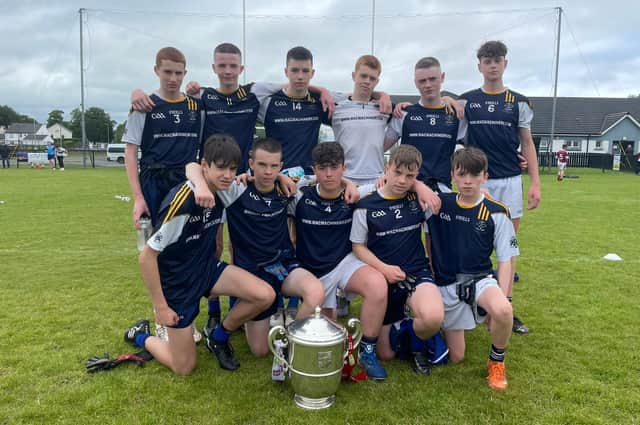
[
  {"x": 499, "y": 121},
  {"x": 466, "y": 231},
  {"x": 322, "y": 225},
  {"x": 178, "y": 268},
  {"x": 168, "y": 136},
  {"x": 293, "y": 115},
  {"x": 427, "y": 126},
  {"x": 257, "y": 217},
  {"x": 386, "y": 235}
]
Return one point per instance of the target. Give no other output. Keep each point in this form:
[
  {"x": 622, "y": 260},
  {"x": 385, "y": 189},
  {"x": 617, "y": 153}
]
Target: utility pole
[
  {"x": 555, "y": 92},
  {"x": 373, "y": 24},
  {"x": 84, "y": 131}
]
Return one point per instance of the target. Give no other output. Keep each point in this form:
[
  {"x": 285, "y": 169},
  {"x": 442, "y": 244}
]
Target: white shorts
[
  {"x": 508, "y": 191},
  {"x": 458, "y": 315},
  {"x": 338, "y": 279},
  {"x": 362, "y": 181},
  {"x": 562, "y": 165},
  {"x": 443, "y": 188}
]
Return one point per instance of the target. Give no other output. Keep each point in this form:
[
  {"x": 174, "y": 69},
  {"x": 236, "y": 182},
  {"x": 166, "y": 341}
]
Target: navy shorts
[
  {"x": 189, "y": 307},
  {"x": 276, "y": 284},
  {"x": 397, "y": 297},
  {"x": 50, "y": 157},
  {"x": 155, "y": 187}
]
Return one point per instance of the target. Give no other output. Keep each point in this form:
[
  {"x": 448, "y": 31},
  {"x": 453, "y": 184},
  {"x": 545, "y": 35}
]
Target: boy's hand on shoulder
[
  {"x": 193, "y": 88},
  {"x": 204, "y": 197},
  {"x": 393, "y": 274},
  {"x": 141, "y": 102},
  {"x": 351, "y": 193},
  {"x": 398, "y": 112},
  {"x": 287, "y": 185},
  {"x": 244, "y": 178}
]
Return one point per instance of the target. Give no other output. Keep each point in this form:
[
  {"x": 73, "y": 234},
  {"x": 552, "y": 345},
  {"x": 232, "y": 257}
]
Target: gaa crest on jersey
[
  {"x": 158, "y": 237},
  {"x": 413, "y": 206},
  {"x": 508, "y": 108},
  {"x": 193, "y": 115},
  {"x": 450, "y": 120},
  {"x": 513, "y": 242},
  {"x": 480, "y": 226}
]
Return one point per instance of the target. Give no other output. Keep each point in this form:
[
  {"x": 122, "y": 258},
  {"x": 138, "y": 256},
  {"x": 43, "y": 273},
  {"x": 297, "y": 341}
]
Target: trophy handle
[
  {"x": 278, "y": 332},
  {"x": 355, "y": 330}
]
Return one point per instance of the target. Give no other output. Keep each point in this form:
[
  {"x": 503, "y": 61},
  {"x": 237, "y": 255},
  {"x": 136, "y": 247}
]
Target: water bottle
[{"x": 144, "y": 232}]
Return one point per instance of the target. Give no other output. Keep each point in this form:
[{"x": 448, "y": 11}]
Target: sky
[{"x": 40, "y": 45}]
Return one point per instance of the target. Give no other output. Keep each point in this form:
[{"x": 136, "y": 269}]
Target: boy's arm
[
  {"x": 505, "y": 244},
  {"x": 429, "y": 200},
  {"x": 151, "y": 276},
  {"x": 131, "y": 165},
  {"x": 204, "y": 196},
  {"x": 529, "y": 153},
  {"x": 504, "y": 275},
  {"x": 384, "y": 101}
]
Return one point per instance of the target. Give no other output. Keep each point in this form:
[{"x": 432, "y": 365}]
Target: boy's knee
[
  {"x": 259, "y": 351},
  {"x": 456, "y": 356},
  {"x": 184, "y": 368}
]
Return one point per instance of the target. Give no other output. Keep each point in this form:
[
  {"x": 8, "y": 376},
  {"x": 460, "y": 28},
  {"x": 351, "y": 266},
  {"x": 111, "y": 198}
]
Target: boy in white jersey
[
  {"x": 499, "y": 120},
  {"x": 464, "y": 234}
]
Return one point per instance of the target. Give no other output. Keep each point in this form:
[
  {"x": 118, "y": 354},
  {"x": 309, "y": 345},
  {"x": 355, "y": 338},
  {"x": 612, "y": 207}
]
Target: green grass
[{"x": 70, "y": 285}]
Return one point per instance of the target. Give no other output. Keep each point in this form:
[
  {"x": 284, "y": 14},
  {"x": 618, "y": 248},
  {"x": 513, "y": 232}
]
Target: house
[
  {"x": 590, "y": 125},
  {"x": 18, "y": 132},
  {"x": 59, "y": 131}
]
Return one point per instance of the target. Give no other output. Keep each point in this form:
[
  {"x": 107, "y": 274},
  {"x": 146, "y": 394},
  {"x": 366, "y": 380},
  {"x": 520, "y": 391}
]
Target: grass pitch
[{"x": 70, "y": 285}]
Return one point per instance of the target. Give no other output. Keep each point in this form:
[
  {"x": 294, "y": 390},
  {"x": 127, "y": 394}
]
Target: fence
[{"x": 578, "y": 160}]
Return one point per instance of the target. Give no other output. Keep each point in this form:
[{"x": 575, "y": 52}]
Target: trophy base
[{"x": 314, "y": 403}]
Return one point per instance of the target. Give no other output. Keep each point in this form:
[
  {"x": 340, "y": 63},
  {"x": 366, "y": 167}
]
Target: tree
[
  {"x": 98, "y": 125},
  {"x": 9, "y": 116},
  {"x": 634, "y": 96},
  {"x": 117, "y": 137},
  {"x": 55, "y": 117}
]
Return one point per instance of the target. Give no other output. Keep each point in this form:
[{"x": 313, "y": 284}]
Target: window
[
  {"x": 598, "y": 146},
  {"x": 574, "y": 145}
]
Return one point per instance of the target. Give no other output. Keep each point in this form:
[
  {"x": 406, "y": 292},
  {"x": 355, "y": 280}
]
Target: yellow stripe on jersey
[
  {"x": 177, "y": 202},
  {"x": 412, "y": 196},
  {"x": 241, "y": 93},
  {"x": 502, "y": 204}
]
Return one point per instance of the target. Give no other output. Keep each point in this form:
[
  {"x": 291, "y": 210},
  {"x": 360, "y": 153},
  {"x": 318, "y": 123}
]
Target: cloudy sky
[{"x": 39, "y": 45}]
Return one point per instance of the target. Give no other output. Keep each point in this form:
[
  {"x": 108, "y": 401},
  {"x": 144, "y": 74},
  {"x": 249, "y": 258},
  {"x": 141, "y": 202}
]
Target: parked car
[{"x": 22, "y": 156}]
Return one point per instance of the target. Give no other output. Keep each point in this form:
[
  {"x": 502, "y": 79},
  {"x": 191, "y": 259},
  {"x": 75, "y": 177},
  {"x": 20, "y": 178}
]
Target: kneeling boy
[
  {"x": 463, "y": 236},
  {"x": 386, "y": 234},
  {"x": 178, "y": 268}
]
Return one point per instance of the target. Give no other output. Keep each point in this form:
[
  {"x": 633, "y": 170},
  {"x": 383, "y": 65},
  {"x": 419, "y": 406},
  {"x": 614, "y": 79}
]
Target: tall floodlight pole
[
  {"x": 373, "y": 23},
  {"x": 244, "y": 39},
  {"x": 555, "y": 92},
  {"x": 84, "y": 131}
]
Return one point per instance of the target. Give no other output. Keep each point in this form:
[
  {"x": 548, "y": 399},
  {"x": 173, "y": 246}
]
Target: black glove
[{"x": 97, "y": 364}]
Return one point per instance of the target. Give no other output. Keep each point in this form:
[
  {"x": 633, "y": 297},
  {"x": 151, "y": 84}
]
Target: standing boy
[
  {"x": 427, "y": 126},
  {"x": 386, "y": 235},
  {"x": 178, "y": 269},
  {"x": 463, "y": 235},
  {"x": 563, "y": 159},
  {"x": 499, "y": 121},
  {"x": 168, "y": 136}
]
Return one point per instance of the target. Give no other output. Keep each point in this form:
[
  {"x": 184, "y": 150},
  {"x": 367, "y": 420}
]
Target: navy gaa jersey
[
  {"x": 257, "y": 225},
  {"x": 171, "y": 135},
  {"x": 493, "y": 120},
  {"x": 322, "y": 230},
  {"x": 295, "y": 123},
  {"x": 463, "y": 237},
  {"x": 233, "y": 113},
  {"x": 391, "y": 228},
  {"x": 186, "y": 240},
  {"x": 434, "y": 133}
]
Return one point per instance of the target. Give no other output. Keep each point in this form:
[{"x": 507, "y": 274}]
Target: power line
[
  {"x": 319, "y": 17},
  {"x": 575, "y": 40}
]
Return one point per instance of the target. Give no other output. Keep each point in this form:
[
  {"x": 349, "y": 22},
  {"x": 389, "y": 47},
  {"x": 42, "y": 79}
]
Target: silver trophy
[{"x": 317, "y": 348}]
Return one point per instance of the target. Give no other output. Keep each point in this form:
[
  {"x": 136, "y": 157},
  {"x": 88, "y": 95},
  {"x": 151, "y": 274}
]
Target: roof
[
  {"x": 23, "y": 127},
  {"x": 582, "y": 115}
]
